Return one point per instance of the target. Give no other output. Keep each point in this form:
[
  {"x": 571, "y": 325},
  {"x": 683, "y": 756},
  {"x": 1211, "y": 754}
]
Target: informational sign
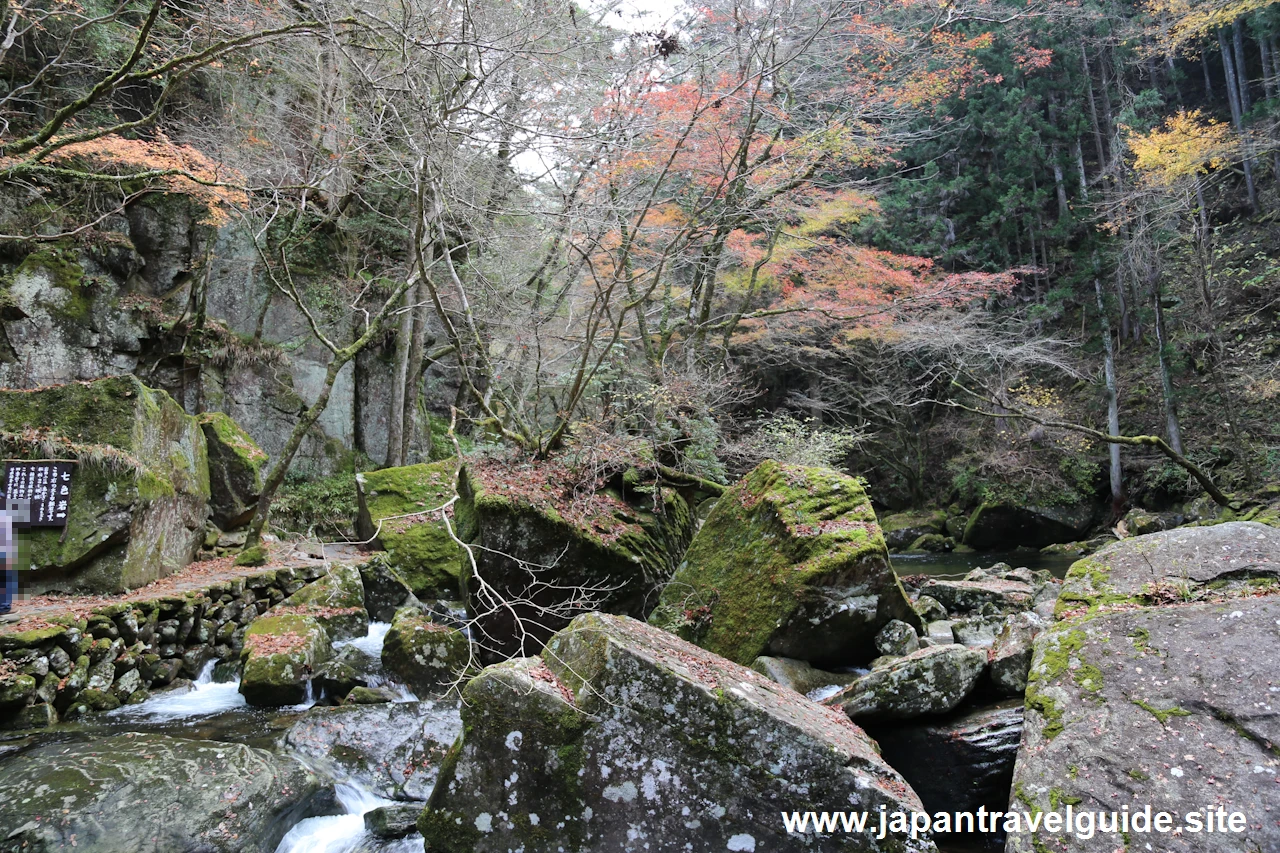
[{"x": 46, "y": 485}]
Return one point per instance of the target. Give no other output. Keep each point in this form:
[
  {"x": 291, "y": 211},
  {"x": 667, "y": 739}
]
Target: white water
[
  {"x": 345, "y": 832},
  {"x": 204, "y": 699},
  {"x": 371, "y": 643}
]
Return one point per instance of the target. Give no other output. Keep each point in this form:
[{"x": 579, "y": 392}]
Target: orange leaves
[{"x": 180, "y": 168}]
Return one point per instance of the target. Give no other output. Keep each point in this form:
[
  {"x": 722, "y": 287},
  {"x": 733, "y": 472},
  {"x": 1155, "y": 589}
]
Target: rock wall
[
  {"x": 122, "y": 302},
  {"x": 117, "y": 653}
]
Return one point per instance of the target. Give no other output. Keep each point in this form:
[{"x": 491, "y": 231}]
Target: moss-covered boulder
[
  {"x": 1004, "y": 526},
  {"x": 624, "y": 737},
  {"x": 105, "y": 795},
  {"x": 903, "y": 528},
  {"x": 1182, "y": 565},
  {"x": 336, "y": 601},
  {"x": 139, "y": 499},
  {"x": 551, "y": 545},
  {"x": 385, "y": 590},
  {"x": 236, "y": 470},
  {"x": 790, "y": 563},
  {"x": 394, "y": 512},
  {"x": 1168, "y": 708},
  {"x": 932, "y": 680},
  {"x": 425, "y": 655},
  {"x": 280, "y": 655}
]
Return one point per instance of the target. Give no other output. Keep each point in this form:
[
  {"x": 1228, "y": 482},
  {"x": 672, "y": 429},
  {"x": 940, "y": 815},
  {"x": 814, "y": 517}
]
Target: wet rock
[
  {"x": 897, "y": 638},
  {"x": 932, "y": 543},
  {"x": 1176, "y": 565},
  {"x": 799, "y": 675},
  {"x": 392, "y": 821},
  {"x": 236, "y": 468},
  {"x": 395, "y": 513},
  {"x": 336, "y": 601},
  {"x": 369, "y": 696},
  {"x": 395, "y": 748},
  {"x": 790, "y": 563},
  {"x": 555, "y": 550},
  {"x": 385, "y": 591},
  {"x": 102, "y": 796},
  {"x": 933, "y": 680},
  {"x": 626, "y": 738},
  {"x": 1010, "y": 659},
  {"x": 423, "y": 654},
  {"x": 17, "y": 691},
  {"x": 1139, "y": 522},
  {"x": 959, "y": 764},
  {"x": 280, "y": 654},
  {"x": 127, "y": 525},
  {"x": 1167, "y": 707},
  {"x": 940, "y": 633}
]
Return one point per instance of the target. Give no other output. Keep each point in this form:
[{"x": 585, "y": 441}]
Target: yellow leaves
[
  {"x": 1185, "y": 146},
  {"x": 1181, "y": 21}
]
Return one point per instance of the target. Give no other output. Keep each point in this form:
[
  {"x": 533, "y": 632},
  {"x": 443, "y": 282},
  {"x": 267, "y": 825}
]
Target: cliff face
[{"x": 186, "y": 307}]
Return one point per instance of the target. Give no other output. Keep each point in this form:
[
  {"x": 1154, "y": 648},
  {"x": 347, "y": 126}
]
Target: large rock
[
  {"x": 903, "y": 528},
  {"x": 1175, "y": 565},
  {"x": 1003, "y": 526},
  {"x": 551, "y": 545},
  {"x": 790, "y": 563},
  {"x": 395, "y": 514},
  {"x": 396, "y": 749},
  {"x": 236, "y": 468},
  {"x": 336, "y": 601},
  {"x": 958, "y": 764},
  {"x": 423, "y": 654},
  {"x": 1010, "y": 659},
  {"x": 629, "y": 739},
  {"x": 385, "y": 590},
  {"x": 988, "y": 594},
  {"x": 153, "y": 792},
  {"x": 1171, "y": 708},
  {"x": 280, "y": 655},
  {"x": 933, "y": 680},
  {"x": 800, "y": 676},
  {"x": 138, "y": 500}
]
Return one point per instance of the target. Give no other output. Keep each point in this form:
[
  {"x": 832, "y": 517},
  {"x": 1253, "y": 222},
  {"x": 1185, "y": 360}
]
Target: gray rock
[
  {"x": 983, "y": 592},
  {"x": 392, "y": 821},
  {"x": 426, "y": 656},
  {"x": 940, "y": 633},
  {"x": 385, "y": 591},
  {"x": 236, "y": 468},
  {"x": 336, "y": 601},
  {"x": 933, "y": 680},
  {"x": 280, "y": 654},
  {"x": 397, "y": 748},
  {"x": 1175, "y": 565},
  {"x": 626, "y": 738},
  {"x": 1011, "y": 654},
  {"x": 1170, "y": 708},
  {"x": 897, "y": 638},
  {"x": 959, "y": 764},
  {"x": 930, "y": 609},
  {"x": 1000, "y": 525},
  {"x": 799, "y": 675},
  {"x": 103, "y": 796},
  {"x": 903, "y": 528},
  {"x": 977, "y": 632}
]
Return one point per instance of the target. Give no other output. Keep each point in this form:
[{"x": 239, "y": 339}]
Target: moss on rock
[
  {"x": 790, "y": 563},
  {"x": 139, "y": 498},
  {"x": 236, "y": 469},
  {"x": 424, "y": 655},
  {"x": 393, "y": 509},
  {"x": 336, "y": 601},
  {"x": 280, "y": 654}
]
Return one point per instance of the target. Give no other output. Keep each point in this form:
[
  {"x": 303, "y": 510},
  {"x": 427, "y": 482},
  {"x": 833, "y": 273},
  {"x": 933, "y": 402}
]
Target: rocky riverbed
[{"x": 787, "y": 667}]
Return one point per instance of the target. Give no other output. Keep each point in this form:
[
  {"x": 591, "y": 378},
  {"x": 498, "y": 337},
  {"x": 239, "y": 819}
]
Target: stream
[{"x": 212, "y": 708}]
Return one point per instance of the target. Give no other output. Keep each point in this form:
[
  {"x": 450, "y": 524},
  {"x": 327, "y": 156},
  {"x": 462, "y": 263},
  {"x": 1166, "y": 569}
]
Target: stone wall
[{"x": 116, "y": 654}]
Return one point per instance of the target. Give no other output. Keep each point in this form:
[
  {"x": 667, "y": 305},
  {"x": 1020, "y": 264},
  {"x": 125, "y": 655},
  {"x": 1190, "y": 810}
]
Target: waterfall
[
  {"x": 345, "y": 833},
  {"x": 205, "y": 698}
]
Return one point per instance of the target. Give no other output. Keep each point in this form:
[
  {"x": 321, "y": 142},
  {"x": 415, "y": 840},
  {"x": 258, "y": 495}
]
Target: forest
[
  {"x": 517, "y": 426},
  {"x": 837, "y": 230}
]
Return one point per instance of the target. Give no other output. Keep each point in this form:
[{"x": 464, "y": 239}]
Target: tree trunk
[
  {"x": 1208, "y": 80},
  {"x": 399, "y": 383},
  {"x": 417, "y": 360},
  {"x": 1172, "y": 428},
  {"x": 1093, "y": 109},
  {"x": 1084, "y": 184},
  {"x": 1237, "y": 113},
  {"x": 1113, "y": 401},
  {"x": 1242, "y": 71}
]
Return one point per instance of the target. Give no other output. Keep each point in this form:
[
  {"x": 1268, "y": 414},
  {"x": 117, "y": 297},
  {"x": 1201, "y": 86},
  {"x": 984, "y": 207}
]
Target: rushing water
[
  {"x": 205, "y": 699},
  {"x": 345, "y": 833}
]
